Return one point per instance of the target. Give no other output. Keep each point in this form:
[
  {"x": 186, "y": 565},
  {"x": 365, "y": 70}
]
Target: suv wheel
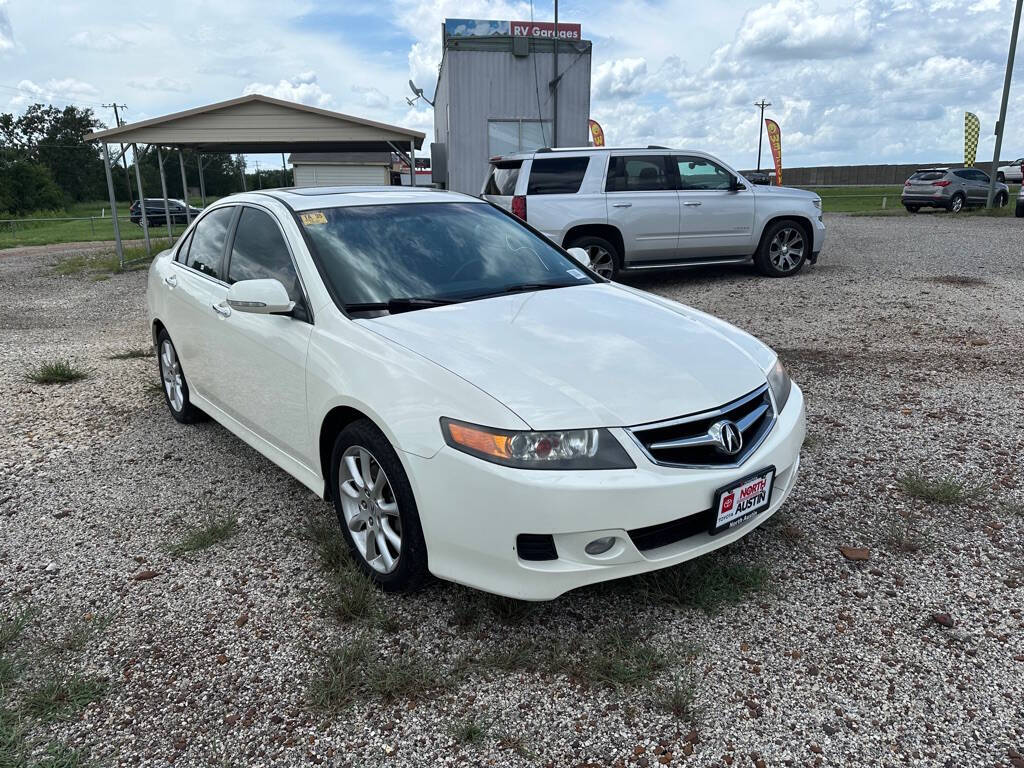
[
  {"x": 604, "y": 257},
  {"x": 957, "y": 203},
  {"x": 783, "y": 250},
  {"x": 913, "y": 208},
  {"x": 1001, "y": 199}
]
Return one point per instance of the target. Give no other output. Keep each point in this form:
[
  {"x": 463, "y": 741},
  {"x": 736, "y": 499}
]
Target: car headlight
[
  {"x": 817, "y": 203},
  {"x": 555, "y": 449},
  {"x": 780, "y": 383}
]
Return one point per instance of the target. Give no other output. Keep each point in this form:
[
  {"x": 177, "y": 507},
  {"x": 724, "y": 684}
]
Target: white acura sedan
[{"x": 474, "y": 400}]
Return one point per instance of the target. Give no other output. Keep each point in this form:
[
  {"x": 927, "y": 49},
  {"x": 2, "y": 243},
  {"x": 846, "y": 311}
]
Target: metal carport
[{"x": 250, "y": 124}]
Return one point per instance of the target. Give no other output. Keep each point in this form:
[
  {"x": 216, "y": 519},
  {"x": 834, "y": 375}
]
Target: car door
[
  {"x": 715, "y": 220},
  {"x": 643, "y": 205},
  {"x": 263, "y": 357},
  {"x": 197, "y": 291},
  {"x": 981, "y": 183}
]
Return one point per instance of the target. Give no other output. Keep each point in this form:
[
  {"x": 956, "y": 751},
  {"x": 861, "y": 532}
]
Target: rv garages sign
[{"x": 494, "y": 28}]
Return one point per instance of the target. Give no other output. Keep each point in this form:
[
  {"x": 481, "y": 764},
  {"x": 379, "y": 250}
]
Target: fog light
[{"x": 600, "y": 546}]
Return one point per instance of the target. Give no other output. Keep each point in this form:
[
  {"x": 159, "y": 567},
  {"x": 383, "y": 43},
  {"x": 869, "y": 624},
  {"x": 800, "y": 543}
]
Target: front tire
[
  {"x": 957, "y": 203},
  {"x": 376, "y": 508},
  {"x": 175, "y": 386},
  {"x": 1001, "y": 200},
  {"x": 783, "y": 250},
  {"x": 605, "y": 258}
]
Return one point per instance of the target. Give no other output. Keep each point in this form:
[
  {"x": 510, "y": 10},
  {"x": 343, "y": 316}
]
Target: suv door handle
[
  {"x": 222, "y": 310},
  {"x": 691, "y": 203},
  {"x": 171, "y": 280},
  {"x": 622, "y": 205}
]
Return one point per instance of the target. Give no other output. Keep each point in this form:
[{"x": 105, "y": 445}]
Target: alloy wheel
[
  {"x": 957, "y": 204},
  {"x": 601, "y": 261},
  {"x": 170, "y": 372},
  {"x": 370, "y": 509},
  {"x": 787, "y": 249}
]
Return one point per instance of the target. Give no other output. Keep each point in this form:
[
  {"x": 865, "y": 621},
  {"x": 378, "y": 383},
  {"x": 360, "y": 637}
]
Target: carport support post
[
  {"x": 412, "y": 163},
  {"x": 1001, "y": 125},
  {"x": 142, "y": 200},
  {"x": 113, "y": 206},
  {"x": 163, "y": 188},
  {"x": 184, "y": 187},
  {"x": 202, "y": 182}
]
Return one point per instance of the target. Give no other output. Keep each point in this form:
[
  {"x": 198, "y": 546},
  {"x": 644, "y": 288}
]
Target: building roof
[
  {"x": 340, "y": 158},
  {"x": 257, "y": 123}
]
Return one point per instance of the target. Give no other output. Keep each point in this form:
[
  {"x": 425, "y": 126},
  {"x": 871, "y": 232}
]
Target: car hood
[
  {"x": 585, "y": 356},
  {"x": 785, "y": 191}
]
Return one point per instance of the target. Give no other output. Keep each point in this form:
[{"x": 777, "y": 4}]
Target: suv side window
[
  {"x": 701, "y": 173},
  {"x": 207, "y": 247},
  {"x": 557, "y": 175},
  {"x": 979, "y": 176},
  {"x": 637, "y": 173},
  {"x": 259, "y": 251},
  {"x": 503, "y": 178}
]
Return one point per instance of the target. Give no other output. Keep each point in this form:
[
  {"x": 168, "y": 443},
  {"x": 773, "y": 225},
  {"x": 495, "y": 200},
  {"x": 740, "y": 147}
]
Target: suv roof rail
[
  {"x": 544, "y": 149},
  {"x": 656, "y": 146}
]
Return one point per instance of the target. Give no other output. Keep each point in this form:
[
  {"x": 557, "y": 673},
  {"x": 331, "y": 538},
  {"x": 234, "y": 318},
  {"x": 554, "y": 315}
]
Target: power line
[{"x": 45, "y": 93}]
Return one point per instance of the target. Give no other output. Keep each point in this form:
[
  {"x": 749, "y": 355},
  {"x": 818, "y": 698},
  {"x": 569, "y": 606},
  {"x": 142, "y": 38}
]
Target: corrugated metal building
[
  {"x": 341, "y": 169},
  {"x": 493, "y": 97}
]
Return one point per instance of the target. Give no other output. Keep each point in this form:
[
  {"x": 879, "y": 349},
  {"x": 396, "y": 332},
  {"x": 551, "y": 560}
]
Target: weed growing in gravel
[
  {"x": 905, "y": 534},
  {"x": 10, "y": 630},
  {"x": 708, "y": 583},
  {"x": 945, "y": 490},
  {"x": 106, "y": 262},
  {"x": 12, "y": 740},
  {"x": 618, "y": 658},
  {"x": 59, "y": 756},
  {"x": 134, "y": 354},
  {"x": 214, "y": 530},
  {"x": 679, "y": 700},
  {"x": 508, "y": 610},
  {"x": 82, "y": 632},
  {"x": 516, "y": 742},
  {"x": 354, "y": 597},
  {"x": 469, "y": 731},
  {"x": 326, "y": 536},
  {"x": 520, "y": 655},
  {"x": 60, "y": 698},
  {"x": 465, "y": 608},
  {"x": 60, "y": 371},
  {"x": 399, "y": 678}
]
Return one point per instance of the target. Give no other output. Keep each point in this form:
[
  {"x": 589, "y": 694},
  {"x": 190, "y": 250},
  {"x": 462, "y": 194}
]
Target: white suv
[{"x": 652, "y": 208}]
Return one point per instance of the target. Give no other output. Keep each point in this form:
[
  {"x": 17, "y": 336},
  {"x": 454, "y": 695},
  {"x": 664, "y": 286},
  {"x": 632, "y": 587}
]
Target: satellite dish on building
[{"x": 418, "y": 92}]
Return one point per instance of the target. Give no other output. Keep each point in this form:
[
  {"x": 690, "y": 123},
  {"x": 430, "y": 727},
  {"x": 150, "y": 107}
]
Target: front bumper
[{"x": 472, "y": 511}]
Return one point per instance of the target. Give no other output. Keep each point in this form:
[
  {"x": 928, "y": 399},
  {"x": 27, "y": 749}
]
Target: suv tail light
[
  {"x": 906, "y": 183},
  {"x": 943, "y": 183},
  {"x": 519, "y": 206}
]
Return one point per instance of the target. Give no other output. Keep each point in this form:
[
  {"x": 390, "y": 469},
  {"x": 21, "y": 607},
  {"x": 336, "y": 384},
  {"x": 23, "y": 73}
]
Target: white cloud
[
  {"x": 368, "y": 96},
  {"x": 302, "y": 88},
  {"x": 6, "y": 30},
  {"x": 167, "y": 84},
  {"x": 63, "y": 91},
  {"x": 622, "y": 77}
]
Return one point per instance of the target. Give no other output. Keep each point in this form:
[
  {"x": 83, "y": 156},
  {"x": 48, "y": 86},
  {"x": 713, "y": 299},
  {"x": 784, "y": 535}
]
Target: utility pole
[
  {"x": 760, "y": 128},
  {"x": 259, "y": 181},
  {"x": 124, "y": 160},
  {"x": 554, "y": 86},
  {"x": 1001, "y": 125}
]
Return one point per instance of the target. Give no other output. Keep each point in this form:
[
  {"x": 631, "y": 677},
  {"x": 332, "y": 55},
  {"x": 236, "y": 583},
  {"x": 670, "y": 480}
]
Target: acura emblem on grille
[{"x": 727, "y": 437}]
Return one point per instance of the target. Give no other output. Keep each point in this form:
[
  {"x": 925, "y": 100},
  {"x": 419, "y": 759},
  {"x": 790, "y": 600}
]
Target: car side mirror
[
  {"x": 736, "y": 185},
  {"x": 262, "y": 297},
  {"x": 581, "y": 256}
]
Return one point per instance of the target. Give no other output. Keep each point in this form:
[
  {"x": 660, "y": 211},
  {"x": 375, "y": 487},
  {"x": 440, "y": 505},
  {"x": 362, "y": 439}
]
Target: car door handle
[
  {"x": 222, "y": 310},
  {"x": 171, "y": 280},
  {"x": 692, "y": 203},
  {"x": 622, "y": 205}
]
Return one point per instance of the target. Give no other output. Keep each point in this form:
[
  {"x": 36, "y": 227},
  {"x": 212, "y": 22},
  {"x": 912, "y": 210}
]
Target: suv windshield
[{"x": 431, "y": 252}]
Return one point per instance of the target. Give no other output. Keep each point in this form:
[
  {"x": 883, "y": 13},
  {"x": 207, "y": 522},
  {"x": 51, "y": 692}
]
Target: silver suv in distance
[
  {"x": 953, "y": 190},
  {"x": 653, "y": 208}
]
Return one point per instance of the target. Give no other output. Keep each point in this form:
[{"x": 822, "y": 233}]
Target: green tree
[{"x": 26, "y": 185}]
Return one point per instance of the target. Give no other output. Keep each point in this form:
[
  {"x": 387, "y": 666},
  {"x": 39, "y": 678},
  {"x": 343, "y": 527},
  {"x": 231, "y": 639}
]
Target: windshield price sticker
[
  {"x": 576, "y": 273},
  {"x": 313, "y": 217}
]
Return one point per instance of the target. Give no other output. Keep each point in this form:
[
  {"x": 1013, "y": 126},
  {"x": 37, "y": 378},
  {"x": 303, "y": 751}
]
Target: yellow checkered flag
[{"x": 972, "y": 128}]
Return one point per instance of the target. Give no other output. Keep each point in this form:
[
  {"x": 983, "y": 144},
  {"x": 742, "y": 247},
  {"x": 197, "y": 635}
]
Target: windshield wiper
[
  {"x": 519, "y": 288},
  {"x": 396, "y": 305}
]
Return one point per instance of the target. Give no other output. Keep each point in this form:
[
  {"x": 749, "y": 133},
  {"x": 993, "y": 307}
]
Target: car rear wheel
[
  {"x": 913, "y": 208},
  {"x": 783, "y": 250},
  {"x": 1019, "y": 212},
  {"x": 1001, "y": 200},
  {"x": 376, "y": 508},
  {"x": 957, "y": 203},
  {"x": 174, "y": 384},
  {"x": 604, "y": 257}
]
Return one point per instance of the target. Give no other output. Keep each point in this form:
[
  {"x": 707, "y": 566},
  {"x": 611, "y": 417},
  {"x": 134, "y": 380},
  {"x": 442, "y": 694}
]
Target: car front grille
[
  {"x": 663, "y": 534},
  {"x": 688, "y": 441}
]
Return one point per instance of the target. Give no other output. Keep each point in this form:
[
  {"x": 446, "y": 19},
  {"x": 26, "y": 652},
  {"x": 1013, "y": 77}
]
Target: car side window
[
  {"x": 962, "y": 174},
  {"x": 182, "y": 253},
  {"x": 701, "y": 173},
  {"x": 637, "y": 173},
  {"x": 557, "y": 175},
  {"x": 207, "y": 247},
  {"x": 259, "y": 251},
  {"x": 981, "y": 176}
]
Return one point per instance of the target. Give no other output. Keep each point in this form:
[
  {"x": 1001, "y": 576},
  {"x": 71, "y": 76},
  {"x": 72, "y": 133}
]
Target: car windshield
[
  {"x": 431, "y": 252},
  {"x": 927, "y": 175}
]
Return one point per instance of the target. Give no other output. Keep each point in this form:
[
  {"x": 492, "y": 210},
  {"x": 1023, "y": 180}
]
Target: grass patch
[
  {"x": 946, "y": 490},
  {"x": 354, "y": 672},
  {"x": 60, "y": 756},
  {"x": 469, "y": 731},
  {"x": 100, "y": 265},
  {"x": 707, "y": 583},
  {"x": 617, "y": 659},
  {"x": 61, "y": 371},
  {"x": 355, "y": 597},
  {"x": 516, "y": 742},
  {"x": 326, "y": 537},
  {"x": 465, "y": 609},
  {"x": 524, "y": 654},
  {"x": 905, "y": 534},
  {"x": 134, "y": 354},
  {"x": 61, "y": 698},
  {"x": 213, "y": 531},
  {"x": 11, "y": 630},
  {"x": 79, "y": 635},
  {"x": 12, "y": 740},
  {"x": 509, "y": 611},
  {"x": 679, "y": 700}
]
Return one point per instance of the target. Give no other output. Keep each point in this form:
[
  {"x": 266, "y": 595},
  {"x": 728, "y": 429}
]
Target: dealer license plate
[{"x": 742, "y": 500}]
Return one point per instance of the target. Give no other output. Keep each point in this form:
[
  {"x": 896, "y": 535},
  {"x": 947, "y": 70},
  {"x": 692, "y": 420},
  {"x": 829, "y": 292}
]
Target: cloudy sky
[{"x": 852, "y": 81}]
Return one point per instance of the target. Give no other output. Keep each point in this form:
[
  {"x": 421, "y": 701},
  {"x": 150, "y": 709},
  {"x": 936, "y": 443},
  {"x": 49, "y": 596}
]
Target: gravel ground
[{"x": 906, "y": 338}]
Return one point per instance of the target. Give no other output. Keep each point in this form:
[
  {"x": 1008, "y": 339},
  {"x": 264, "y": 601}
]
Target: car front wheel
[
  {"x": 377, "y": 509},
  {"x": 604, "y": 257},
  {"x": 784, "y": 249},
  {"x": 175, "y": 386}
]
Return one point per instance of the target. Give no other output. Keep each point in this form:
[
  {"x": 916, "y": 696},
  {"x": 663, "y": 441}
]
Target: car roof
[
  {"x": 537, "y": 153},
  {"x": 311, "y": 198}
]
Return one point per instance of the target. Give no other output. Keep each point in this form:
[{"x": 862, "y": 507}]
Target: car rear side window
[
  {"x": 207, "y": 247},
  {"x": 637, "y": 173},
  {"x": 503, "y": 178},
  {"x": 557, "y": 175},
  {"x": 259, "y": 251}
]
